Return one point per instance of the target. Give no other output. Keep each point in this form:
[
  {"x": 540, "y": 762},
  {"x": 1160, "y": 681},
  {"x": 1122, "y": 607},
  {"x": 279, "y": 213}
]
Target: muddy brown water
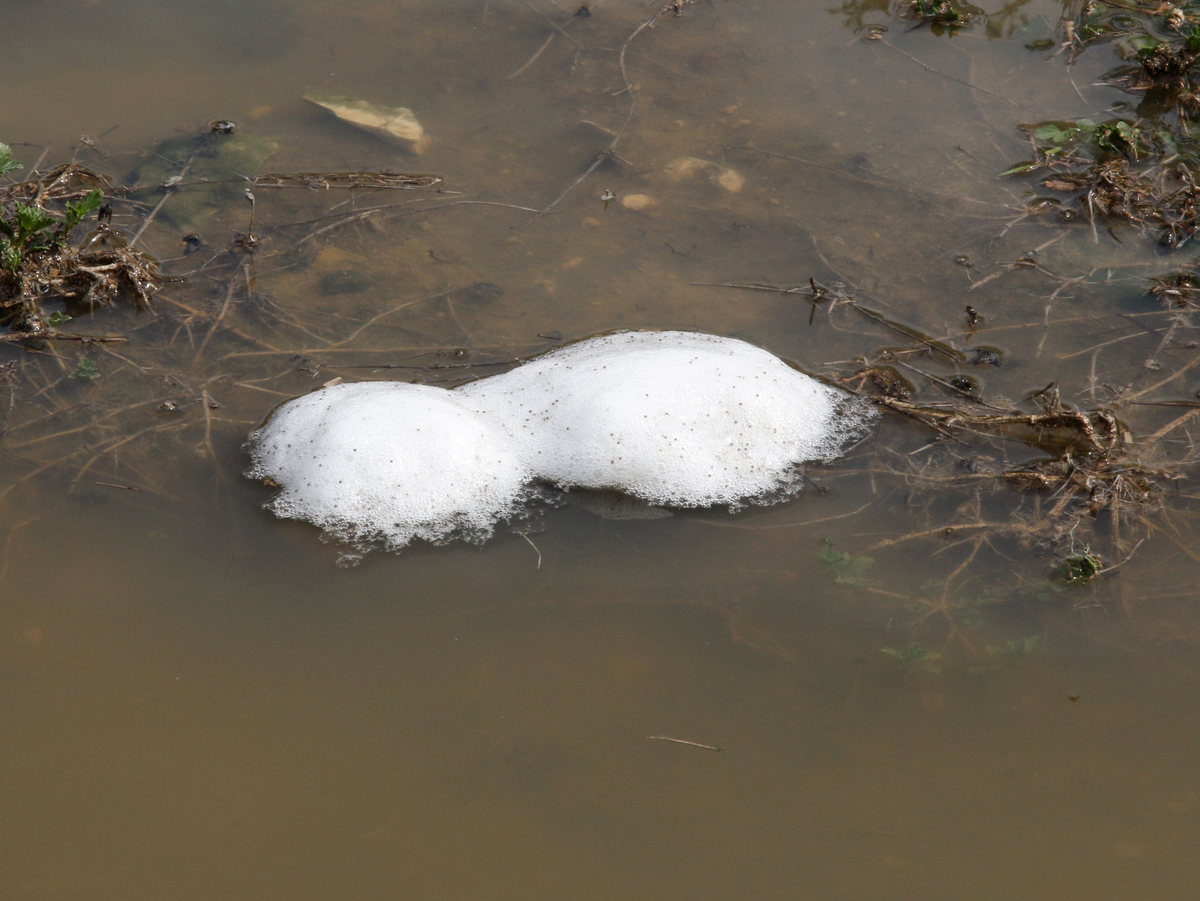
[{"x": 198, "y": 703}]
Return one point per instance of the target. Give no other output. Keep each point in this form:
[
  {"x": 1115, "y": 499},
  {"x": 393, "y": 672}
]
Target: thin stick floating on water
[
  {"x": 532, "y": 59},
  {"x": 684, "y": 741},
  {"x": 525, "y": 535},
  {"x": 857, "y": 832},
  {"x": 133, "y": 488}
]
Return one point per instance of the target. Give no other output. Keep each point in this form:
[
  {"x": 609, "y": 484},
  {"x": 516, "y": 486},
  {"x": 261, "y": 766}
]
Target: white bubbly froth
[
  {"x": 674, "y": 418},
  {"x": 389, "y": 462}
]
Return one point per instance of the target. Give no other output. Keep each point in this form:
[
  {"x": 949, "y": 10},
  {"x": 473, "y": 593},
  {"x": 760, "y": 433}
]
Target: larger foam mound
[
  {"x": 384, "y": 462},
  {"x": 675, "y": 418}
]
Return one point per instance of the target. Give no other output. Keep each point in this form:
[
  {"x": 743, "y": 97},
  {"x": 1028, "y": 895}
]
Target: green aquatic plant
[
  {"x": 916, "y": 656},
  {"x": 1080, "y": 568},
  {"x": 1014, "y": 649},
  {"x": 7, "y": 163},
  {"x": 937, "y": 12},
  {"x": 943, "y": 16},
  {"x": 846, "y": 569},
  {"x": 77, "y": 211},
  {"x": 85, "y": 370},
  {"x": 32, "y": 228},
  {"x": 42, "y": 261},
  {"x": 1066, "y": 139},
  {"x": 1092, "y": 160}
]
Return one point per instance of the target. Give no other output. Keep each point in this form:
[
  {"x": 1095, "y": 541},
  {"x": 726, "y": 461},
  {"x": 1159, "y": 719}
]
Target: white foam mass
[
  {"x": 674, "y": 418},
  {"x": 389, "y": 462}
]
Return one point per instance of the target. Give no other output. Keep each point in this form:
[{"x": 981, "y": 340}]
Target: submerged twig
[{"x": 684, "y": 741}]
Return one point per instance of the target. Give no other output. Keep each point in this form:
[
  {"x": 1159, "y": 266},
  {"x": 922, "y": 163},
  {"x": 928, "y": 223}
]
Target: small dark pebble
[{"x": 344, "y": 281}]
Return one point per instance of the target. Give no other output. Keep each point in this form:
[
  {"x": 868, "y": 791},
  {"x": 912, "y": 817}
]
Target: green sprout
[
  {"x": 1193, "y": 39},
  {"x": 30, "y": 229},
  {"x": 77, "y": 211},
  {"x": 7, "y": 163}
]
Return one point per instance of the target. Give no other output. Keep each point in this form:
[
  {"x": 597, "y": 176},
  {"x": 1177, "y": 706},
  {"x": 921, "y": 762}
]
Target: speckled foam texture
[
  {"x": 385, "y": 462},
  {"x": 674, "y": 418}
]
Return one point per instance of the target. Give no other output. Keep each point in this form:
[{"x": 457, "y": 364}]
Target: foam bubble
[
  {"x": 675, "y": 418},
  {"x": 384, "y": 462}
]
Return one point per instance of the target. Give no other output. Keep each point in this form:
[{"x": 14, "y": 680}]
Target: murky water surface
[{"x": 198, "y": 703}]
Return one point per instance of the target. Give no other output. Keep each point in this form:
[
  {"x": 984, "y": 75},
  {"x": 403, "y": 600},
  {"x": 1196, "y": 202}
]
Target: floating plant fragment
[{"x": 397, "y": 125}]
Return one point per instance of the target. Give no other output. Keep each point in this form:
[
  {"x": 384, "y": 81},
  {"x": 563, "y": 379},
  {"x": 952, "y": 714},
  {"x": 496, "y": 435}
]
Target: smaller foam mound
[
  {"x": 384, "y": 462},
  {"x": 675, "y": 418}
]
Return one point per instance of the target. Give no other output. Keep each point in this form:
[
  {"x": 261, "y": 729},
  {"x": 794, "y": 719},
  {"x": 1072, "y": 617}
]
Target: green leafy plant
[
  {"x": 86, "y": 370},
  {"x": 1193, "y": 39},
  {"x": 1018, "y": 647},
  {"x": 77, "y": 211},
  {"x": 846, "y": 569},
  {"x": 1117, "y": 136},
  {"x": 33, "y": 228},
  {"x": 7, "y": 163},
  {"x": 1081, "y": 568},
  {"x": 939, "y": 11},
  {"x": 43, "y": 263},
  {"x": 916, "y": 656}
]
